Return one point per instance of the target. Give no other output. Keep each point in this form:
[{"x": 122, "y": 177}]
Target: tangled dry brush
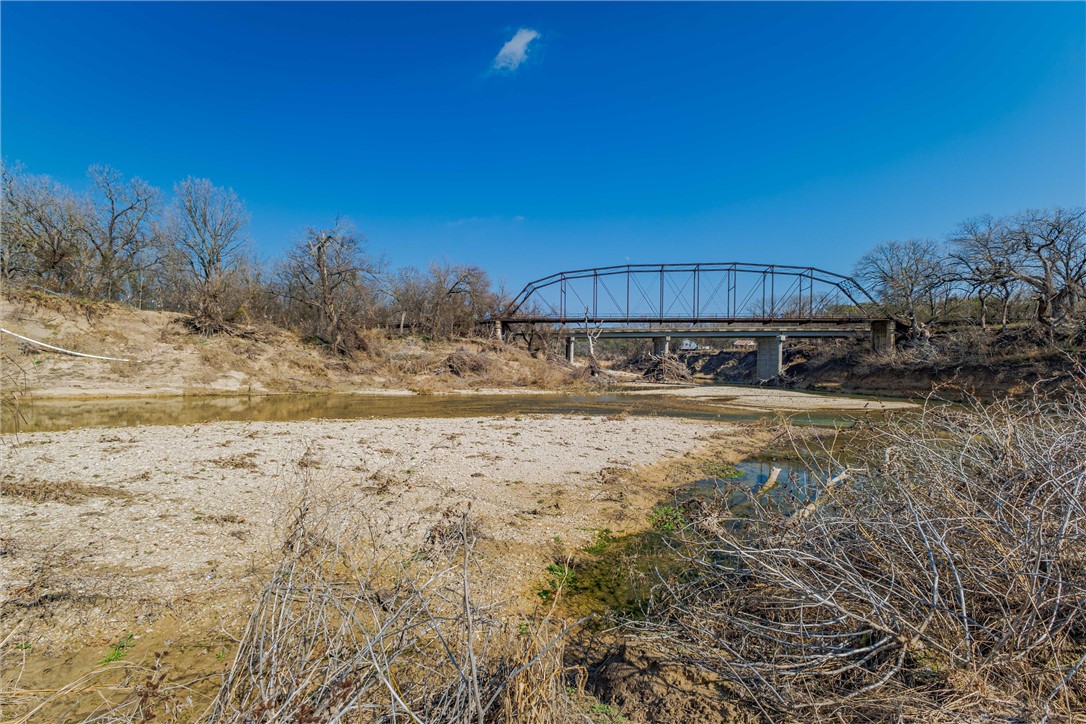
[
  {"x": 346, "y": 632},
  {"x": 943, "y": 579}
]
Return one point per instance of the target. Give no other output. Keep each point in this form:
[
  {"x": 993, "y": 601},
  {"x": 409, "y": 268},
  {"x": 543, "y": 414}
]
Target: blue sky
[{"x": 776, "y": 132}]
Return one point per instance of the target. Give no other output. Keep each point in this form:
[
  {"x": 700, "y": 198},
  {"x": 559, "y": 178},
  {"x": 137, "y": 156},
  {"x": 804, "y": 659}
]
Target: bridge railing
[{"x": 692, "y": 294}]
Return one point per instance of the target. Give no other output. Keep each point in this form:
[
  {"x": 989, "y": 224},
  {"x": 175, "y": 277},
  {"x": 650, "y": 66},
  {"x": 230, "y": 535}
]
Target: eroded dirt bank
[{"x": 166, "y": 358}]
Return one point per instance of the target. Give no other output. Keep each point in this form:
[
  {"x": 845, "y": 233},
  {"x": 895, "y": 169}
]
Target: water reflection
[
  {"x": 49, "y": 415},
  {"x": 795, "y": 486}
]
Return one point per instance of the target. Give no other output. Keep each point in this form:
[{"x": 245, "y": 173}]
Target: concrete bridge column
[
  {"x": 882, "y": 335},
  {"x": 570, "y": 346},
  {"x": 661, "y": 346},
  {"x": 498, "y": 329},
  {"x": 770, "y": 358}
]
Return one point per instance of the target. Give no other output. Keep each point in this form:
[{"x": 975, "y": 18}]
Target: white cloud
[{"x": 515, "y": 51}]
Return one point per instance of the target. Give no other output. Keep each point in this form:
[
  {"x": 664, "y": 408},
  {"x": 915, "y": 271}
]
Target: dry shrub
[
  {"x": 548, "y": 374},
  {"x": 945, "y": 579},
  {"x": 463, "y": 363},
  {"x": 372, "y": 342},
  {"x": 211, "y": 325},
  {"x": 350, "y": 632},
  {"x": 410, "y": 361},
  {"x": 667, "y": 368}
]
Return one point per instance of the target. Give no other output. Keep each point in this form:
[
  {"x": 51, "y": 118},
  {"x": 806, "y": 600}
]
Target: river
[{"x": 50, "y": 415}]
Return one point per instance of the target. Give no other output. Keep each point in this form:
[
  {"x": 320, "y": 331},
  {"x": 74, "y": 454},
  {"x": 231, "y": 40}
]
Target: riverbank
[
  {"x": 164, "y": 358},
  {"x": 953, "y": 365}
]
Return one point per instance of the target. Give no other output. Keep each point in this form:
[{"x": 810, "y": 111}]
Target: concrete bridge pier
[
  {"x": 661, "y": 346},
  {"x": 882, "y": 334},
  {"x": 770, "y": 362},
  {"x": 571, "y": 345}
]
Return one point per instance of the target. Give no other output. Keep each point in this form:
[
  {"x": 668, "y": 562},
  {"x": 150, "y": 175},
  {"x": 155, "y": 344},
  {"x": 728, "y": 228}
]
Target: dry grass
[
  {"x": 241, "y": 461},
  {"x": 347, "y": 629},
  {"x": 49, "y": 491}
]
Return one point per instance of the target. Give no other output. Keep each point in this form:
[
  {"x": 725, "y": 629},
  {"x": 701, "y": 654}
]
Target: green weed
[
  {"x": 560, "y": 576},
  {"x": 605, "y": 714},
  {"x": 667, "y": 518},
  {"x": 600, "y": 541},
  {"x": 119, "y": 649},
  {"x": 721, "y": 469}
]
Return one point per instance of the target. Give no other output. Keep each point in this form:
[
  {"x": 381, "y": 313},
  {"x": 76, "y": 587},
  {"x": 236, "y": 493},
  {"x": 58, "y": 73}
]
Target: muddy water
[{"x": 52, "y": 415}]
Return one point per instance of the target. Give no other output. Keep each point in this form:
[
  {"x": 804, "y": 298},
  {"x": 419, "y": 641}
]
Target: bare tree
[
  {"x": 326, "y": 272},
  {"x": 41, "y": 240},
  {"x": 979, "y": 262},
  {"x": 909, "y": 277},
  {"x": 460, "y": 298},
  {"x": 1046, "y": 250},
  {"x": 119, "y": 228},
  {"x": 16, "y": 243},
  {"x": 448, "y": 299},
  {"x": 207, "y": 224}
]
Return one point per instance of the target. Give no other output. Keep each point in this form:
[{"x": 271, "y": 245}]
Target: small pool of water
[
  {"x": 796, "y": 486},
  {"x": 794, "y": 477}
]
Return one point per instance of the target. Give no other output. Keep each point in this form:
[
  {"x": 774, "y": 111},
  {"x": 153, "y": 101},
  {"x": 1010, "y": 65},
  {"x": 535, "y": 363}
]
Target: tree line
[
  {"x": 125, "y": 240},
  {"x": 1028, "y": 268}
]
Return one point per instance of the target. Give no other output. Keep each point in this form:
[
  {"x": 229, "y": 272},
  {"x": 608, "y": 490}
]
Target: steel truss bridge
[{"x": 767, "y": 302}]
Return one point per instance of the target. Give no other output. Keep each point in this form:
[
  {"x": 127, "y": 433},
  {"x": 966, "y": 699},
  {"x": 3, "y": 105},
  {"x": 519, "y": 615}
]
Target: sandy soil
[
  {"x": 162, "y": 513},
  {"x": 770, "y": 398}
]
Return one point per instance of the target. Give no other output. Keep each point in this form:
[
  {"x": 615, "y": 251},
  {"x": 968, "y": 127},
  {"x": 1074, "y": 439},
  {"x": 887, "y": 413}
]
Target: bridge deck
[
  {"x": 740, "y": 331},
  {"x": 653, "y": 319}
]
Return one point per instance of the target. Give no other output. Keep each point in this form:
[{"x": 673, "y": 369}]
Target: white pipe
[{"x": 61, "y": 349}]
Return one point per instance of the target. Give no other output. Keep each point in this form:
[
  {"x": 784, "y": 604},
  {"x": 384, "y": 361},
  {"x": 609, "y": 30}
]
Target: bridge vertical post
[
  {"x": 661, "y": 346},
  {"x": 662, "y": 292},
  {"x": 498, "y": 329},
  {"x": 882, "y": 334},
  {"x": 697, "y": 292},
  {"x": 571, "y": 345},
  {"x": 628, "y": 273},
  {"x": 770, "y": 362}
]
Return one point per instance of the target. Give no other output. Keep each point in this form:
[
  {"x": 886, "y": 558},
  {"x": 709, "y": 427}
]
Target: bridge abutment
[
  {"x": 882, "y": 334},
  {"x": 770, "y": 361},
  {"x": 661, "y": 346}
]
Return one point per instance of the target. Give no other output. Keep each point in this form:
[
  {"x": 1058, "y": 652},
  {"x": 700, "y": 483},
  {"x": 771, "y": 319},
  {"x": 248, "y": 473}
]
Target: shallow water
[
  {"x": 52, "y": 415},
  {"x": 794, "y": 478}
]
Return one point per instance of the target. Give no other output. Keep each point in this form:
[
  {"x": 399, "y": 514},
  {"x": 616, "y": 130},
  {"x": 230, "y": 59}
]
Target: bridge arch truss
[{"x": 693, "y": 294}]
